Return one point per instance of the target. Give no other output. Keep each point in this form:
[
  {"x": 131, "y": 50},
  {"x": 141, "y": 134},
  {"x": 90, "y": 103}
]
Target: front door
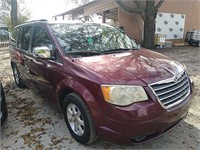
[{"x": 40, "y": 69}]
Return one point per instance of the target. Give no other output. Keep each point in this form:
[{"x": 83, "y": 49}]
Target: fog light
[{"x": 140, "y": 138}]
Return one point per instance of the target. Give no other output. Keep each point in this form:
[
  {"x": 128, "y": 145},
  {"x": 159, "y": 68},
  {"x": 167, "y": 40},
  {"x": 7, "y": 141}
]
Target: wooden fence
[{"x": 4, "y": 42}]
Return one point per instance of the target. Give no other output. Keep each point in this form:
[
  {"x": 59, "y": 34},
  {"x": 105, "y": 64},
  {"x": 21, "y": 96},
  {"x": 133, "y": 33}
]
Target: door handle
[{"x": 27, "y": 59}]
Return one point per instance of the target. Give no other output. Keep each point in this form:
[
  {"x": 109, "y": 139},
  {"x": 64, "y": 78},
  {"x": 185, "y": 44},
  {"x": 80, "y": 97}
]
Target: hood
[{"x": 132, "y": 67}]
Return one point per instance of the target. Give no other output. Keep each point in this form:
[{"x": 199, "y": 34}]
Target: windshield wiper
[
  {"x": 83, "y": 53},
  {"x": 115, "y": 50}
]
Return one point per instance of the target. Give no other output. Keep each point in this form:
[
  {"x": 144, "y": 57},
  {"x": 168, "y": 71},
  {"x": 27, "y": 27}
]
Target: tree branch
[
  {"x": 129, "y": 9},
  {"x": 5, "y": 4},
  {"x": 158, "y": 5},
  {"x": 139, "y": 5}
]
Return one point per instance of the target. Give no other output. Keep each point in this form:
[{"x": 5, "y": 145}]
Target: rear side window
[
  {"x": 13, "y": 38},
  {"x": 24, "y": 37}
]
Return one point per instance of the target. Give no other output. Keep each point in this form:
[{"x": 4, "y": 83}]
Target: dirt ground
[{"x": 34, "y": 123}]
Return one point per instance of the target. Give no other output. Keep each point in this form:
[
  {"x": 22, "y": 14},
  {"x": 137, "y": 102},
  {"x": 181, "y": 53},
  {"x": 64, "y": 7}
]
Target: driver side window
[{"x": 41, "y": 38}]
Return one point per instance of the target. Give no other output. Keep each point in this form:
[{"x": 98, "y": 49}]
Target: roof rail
[{"x": 37, "y": 20}]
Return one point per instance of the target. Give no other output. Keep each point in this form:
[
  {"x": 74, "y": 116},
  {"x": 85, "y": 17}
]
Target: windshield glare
[{"x": 91, "y": 37}]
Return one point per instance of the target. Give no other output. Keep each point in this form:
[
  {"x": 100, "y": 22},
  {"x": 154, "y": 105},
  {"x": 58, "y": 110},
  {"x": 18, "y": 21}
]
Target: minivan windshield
[{"x": 84, "y": 39}]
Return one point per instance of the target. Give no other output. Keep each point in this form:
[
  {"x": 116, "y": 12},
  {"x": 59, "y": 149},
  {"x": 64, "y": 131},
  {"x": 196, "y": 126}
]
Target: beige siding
[
  {"x": 190, "y": 8},
  {"x": 132, "y": 24}
]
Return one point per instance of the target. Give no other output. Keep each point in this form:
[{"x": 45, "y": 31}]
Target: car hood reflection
[{"x": 128, "y": 67}]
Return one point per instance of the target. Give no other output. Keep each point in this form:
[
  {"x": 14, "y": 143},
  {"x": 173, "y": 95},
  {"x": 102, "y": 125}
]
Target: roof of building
[{"x": 77, "y": 9}]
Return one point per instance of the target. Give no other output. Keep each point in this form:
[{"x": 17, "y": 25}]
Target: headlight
[{"x": 123, "y": 95}]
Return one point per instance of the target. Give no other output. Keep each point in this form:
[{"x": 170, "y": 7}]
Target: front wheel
[{"x": 78, "y": 119}]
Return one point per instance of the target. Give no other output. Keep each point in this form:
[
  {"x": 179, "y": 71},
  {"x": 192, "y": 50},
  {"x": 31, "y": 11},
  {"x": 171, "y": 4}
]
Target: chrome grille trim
[
  {"x": 170, "y": 92},
  {"x": 169, "y": 84},
  {"x": 173, "y": 88}
]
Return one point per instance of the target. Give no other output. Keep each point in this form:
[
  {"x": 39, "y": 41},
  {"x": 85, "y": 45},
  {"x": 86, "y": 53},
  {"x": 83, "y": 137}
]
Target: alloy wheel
[{"x": 75, "y": 119}]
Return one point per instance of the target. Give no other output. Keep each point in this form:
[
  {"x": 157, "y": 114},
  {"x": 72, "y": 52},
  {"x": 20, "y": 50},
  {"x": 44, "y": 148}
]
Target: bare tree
[
  {"x": 13, "y": 13},
  {"x": 78, "y": 3},
  {"x": 5, "y": 4},
  {"x": 4, "y": 8},
  {"x": 148, "y": 10}
]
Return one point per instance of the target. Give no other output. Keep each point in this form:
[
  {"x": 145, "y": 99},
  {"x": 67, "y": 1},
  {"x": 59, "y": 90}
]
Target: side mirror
[{"x": 42, "y": 52}]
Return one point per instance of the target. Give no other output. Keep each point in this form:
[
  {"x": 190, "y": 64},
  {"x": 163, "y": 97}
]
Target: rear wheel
[
  {"x": 199, "y": 44},
  {"x": 17, "y": 77},
  {"x": 78, "y": 119}
]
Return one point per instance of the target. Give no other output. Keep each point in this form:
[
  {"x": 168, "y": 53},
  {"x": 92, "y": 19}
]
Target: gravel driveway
[{"x": 35, "y": 123}]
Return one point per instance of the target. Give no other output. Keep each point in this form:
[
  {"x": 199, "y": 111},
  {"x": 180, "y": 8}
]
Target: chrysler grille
[{"x": 173, "y": 91}]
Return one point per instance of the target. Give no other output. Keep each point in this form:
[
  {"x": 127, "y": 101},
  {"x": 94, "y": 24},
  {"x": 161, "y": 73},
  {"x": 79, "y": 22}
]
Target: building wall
[
  {"x": 191, "y": 8},
  {"x": 133, "y": 23}
]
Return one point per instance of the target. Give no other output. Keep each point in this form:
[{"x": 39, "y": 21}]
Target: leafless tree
[
  {"x": 78, "y": 3},
  {"x": 13, "y": 13}
]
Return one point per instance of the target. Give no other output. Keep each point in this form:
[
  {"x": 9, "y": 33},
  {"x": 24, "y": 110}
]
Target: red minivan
[{"x": 105, "y": 84}]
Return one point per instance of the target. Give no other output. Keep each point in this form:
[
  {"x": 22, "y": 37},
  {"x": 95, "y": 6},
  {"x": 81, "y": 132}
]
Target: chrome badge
[{"x": 175, "y": 79}]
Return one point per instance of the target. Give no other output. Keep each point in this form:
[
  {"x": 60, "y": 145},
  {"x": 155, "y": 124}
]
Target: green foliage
[{"x": 6, "y": 20}]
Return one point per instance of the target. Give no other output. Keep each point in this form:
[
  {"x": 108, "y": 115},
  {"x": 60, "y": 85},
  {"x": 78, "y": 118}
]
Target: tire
[
  {"x": 4, "y": 109},
  {"x": 17, "y": 77},
  {"x": 78, "y": 119},
  {"x": 199, "y": 44}
]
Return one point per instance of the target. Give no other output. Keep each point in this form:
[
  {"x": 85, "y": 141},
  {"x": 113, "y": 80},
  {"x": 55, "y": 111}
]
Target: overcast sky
[{"x": 45, "y": 9}]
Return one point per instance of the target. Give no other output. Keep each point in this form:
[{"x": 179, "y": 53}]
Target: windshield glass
[{"x": 91, "y": 38}]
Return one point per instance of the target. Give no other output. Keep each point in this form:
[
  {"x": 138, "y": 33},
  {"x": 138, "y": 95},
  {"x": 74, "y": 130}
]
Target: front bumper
[{"x": 141, "y": 122}]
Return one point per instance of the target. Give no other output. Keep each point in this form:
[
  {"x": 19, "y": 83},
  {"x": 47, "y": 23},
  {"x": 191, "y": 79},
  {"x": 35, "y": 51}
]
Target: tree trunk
[
  {"x": 13, "y": 13},
  {"x": 149, "y": 25},
  {"x": 149, "y": 30}
]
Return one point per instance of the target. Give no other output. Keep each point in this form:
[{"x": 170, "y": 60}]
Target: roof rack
[{"x": 37, "y": 20}]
